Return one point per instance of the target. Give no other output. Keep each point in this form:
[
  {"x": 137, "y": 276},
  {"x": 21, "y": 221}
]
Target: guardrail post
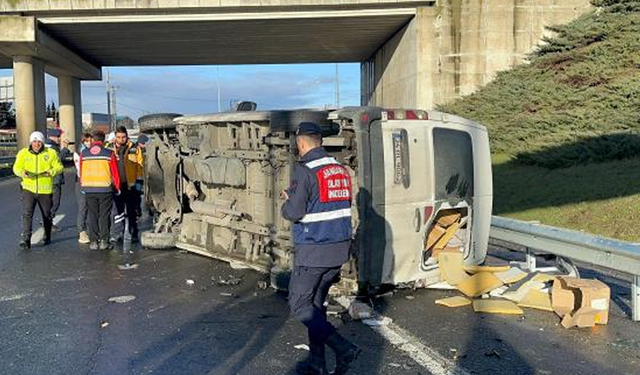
[
  {"x": 635, "y": 298},
  {"x": 531, "y": 260}
]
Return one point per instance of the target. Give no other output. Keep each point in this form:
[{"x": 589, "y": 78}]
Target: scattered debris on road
[
  {"x": 506, "y": 289},
  {"x": 190, "y": 282},
  {"x": 359, "y": 310},
  {"x": 231, "y": 281},
  {"x": 302, "y": 347},
  {"x": 262, "y": 285},
  {"x": 128, "y": 266},
  {"x": 104, "y": 324},
  {"x": 122, "y": 299}
]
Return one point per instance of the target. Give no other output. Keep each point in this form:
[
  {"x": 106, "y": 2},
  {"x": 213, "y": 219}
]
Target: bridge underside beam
[{"x": 22, "y": 36}]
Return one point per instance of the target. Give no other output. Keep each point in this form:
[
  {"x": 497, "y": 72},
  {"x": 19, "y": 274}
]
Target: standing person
[
  {"x": 98, "y": 178},
  {"x": 81, "y": 222},
  {"x": 130, "y": 160},
  {"x": 54, "y": 142},
  {"x": 139, "y": 187},
  {"x": 37, "y": 166},
  {"x": 319, "y": 205}
]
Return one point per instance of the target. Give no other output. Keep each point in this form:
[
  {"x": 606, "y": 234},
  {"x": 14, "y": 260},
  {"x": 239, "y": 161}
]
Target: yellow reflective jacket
[
  {"x": 37, "y": 170},
  {"x": 133, "y": 164}
]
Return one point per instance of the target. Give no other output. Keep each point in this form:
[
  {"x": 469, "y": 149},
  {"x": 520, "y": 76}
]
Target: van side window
[
  {"x": 401, "y": 168},
  {"x": 453, "y": 155}
]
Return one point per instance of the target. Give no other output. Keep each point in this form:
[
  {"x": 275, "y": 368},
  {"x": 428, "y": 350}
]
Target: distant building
[{"x": 96, "y": 121}]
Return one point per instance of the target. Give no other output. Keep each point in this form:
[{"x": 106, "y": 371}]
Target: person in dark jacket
[
  {"x": 318, "y": 202},
  {"x": 98, "y": 179},
  {"x": 54, "y": 142}
]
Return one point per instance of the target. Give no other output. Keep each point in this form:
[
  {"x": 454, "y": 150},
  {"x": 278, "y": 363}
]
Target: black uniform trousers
[
  {"x": 55, "y": 199},
  {"x": 308, "y": 290},
  {"x": 29, "y": 201},
  {"x": 126, "y": 207},
  {"x": 99, "y": 210}
]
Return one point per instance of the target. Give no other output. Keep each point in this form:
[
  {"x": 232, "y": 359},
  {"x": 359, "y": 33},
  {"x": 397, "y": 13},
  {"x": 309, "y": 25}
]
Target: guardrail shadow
[{"x": 592, "y": 169}]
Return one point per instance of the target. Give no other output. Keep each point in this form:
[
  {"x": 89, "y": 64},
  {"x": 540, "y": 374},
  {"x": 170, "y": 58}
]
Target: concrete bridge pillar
[
  {"x": 70, "y": 108},
  {"x": 29, "y": 92}
]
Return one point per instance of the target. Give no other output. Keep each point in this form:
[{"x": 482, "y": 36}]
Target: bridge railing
[{"x": 587, "y": 248}]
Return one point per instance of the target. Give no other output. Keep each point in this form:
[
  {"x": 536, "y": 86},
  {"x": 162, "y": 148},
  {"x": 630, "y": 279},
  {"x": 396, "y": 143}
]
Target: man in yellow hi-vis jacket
[
  {"x": 36, "y": 165},
  {"x": 130, "y": 162}
]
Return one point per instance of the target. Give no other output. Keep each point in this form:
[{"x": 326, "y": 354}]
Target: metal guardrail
[{"x": 598, "y": 251}]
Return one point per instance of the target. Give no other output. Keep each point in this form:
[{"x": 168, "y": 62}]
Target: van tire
[
  {"x": 158, "y": 241},
  {"x": 157, "y": 121},
  {"x": 288, "y": 121}
]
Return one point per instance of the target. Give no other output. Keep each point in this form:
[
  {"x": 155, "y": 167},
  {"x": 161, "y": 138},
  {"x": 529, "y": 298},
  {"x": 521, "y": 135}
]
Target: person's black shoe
[
  {"x": 105, "y": 245},
  {"x": 94, "y": 246},
  {"x": 346, "y": 352},
  {"x": 315, "y": 364},
  {"x": 25, "y": 244},
  {"x": 114, "y": 240}
]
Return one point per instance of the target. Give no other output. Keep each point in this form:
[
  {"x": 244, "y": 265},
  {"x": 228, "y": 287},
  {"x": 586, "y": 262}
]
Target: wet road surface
[{"x": 55, "y": 318}]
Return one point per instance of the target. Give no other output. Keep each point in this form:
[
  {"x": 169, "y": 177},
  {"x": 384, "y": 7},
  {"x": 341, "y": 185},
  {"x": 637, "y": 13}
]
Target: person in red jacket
[{"x": 98, "y": 179}]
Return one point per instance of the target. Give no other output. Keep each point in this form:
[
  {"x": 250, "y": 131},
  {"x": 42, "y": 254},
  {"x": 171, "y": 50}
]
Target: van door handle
[{"x": 417, "y": 220}]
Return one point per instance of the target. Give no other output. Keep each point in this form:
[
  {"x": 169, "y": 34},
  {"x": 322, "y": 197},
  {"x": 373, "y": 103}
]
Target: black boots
[
  {"x": 315, "y": 364},
  {"x": 346, "y": 352},
  {"x": 25, "y": 242}
]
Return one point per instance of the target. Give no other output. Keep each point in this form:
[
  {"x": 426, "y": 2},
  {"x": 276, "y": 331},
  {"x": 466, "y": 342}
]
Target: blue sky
[{"x": 143, "y": 90}]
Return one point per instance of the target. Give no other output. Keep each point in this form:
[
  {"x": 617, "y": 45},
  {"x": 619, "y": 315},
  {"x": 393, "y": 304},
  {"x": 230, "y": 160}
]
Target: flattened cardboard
[
  {"x": 495, "y": 306},
  {"x": 435, "y": 233},
  {"x": 456, "y": 301},
  {"x": 580, "y": 302},
  {"x": 536, "y": 299},
  {"x": 450, "y": 264},
  {"x": 512, "y": 275},
  {"x": 476, "y": 269},
  {"x": 448, "y": 219},
  {"x": 478, "y": 284},
  {"x": 444, "y": 240}
]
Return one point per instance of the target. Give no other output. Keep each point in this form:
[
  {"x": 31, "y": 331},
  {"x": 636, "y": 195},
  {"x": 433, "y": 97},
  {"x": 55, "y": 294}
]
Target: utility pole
[
  {"x": 337, "y": 87},
  {"x": 109, "y": 99},
  {"x": 112, "y": 111}
]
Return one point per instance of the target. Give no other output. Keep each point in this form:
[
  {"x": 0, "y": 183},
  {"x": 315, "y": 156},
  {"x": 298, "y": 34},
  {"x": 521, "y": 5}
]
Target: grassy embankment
[{"x": 565, "y": 128}]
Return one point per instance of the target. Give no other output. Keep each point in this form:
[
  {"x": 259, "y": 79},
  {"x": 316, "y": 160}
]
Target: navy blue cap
[
  {"x": 308, "y": 128},
  {"x": 143, "y": 139},
  {"x": 54, "y": 132}
]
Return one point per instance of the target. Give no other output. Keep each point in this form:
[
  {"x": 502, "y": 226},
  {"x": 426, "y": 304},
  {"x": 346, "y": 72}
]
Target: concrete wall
[
  {"x": 454, "y": 48},
  {"x": 68, "y": 5}
]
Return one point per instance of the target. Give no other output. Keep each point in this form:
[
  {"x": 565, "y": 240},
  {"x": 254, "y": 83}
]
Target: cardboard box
[
  {"x": 580, "y": 302},
  {"x": 435, "y": 233}
]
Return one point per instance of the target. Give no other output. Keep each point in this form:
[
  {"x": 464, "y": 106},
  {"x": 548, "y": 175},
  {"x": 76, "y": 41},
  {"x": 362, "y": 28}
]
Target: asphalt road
[{"x": 55, "y": 318}]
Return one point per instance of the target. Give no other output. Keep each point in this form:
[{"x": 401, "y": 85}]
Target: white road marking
[
  {"x": 426, "y": 357},
  {"x": 38, "y": 235}
]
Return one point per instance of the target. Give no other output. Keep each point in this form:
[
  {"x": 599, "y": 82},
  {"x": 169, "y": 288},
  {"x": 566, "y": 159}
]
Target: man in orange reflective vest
[{"x": 98, "y": 179}]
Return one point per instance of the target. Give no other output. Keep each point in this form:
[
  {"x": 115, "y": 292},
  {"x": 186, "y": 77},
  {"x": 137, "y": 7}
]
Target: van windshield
[{"x": 453, "y": 153}]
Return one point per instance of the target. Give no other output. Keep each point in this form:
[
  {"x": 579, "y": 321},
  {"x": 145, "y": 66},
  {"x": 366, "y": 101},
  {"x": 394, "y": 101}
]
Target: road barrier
[{"x": 587, "y": 248}]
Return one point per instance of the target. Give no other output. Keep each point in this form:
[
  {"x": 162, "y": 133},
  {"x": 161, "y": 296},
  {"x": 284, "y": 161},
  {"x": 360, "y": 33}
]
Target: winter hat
[{"x": 36, "y": 136}]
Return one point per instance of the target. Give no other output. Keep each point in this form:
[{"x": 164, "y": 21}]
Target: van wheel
[
  {"x": 288, "y": 121},
  {"x": 157, "y": 121},
  {"x": 158, "y": 241}
]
